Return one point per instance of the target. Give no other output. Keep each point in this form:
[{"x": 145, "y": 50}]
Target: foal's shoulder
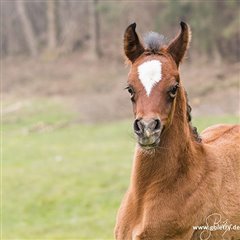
[{"x": 221, "y": 131}]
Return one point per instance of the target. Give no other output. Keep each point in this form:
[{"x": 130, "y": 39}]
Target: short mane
[
  {"x": 153, "y": 42},
  {"x": 189, "y": 117}
]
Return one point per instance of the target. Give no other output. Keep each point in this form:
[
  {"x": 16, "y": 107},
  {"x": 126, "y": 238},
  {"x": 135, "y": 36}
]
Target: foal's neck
[{"x": 172, "y": 158}]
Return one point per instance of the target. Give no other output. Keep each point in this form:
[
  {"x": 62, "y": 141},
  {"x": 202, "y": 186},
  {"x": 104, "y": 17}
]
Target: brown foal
[{"x": 179, "y": 180}]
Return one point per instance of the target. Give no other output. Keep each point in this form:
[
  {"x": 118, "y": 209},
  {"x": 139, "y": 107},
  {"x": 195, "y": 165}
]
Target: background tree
[
  {"x": 27, "y": 28},
  {"x": 94, "y": 29},
  {"x": 52, "y": 24}
]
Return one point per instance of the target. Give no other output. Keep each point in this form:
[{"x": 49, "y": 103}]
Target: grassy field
[{"x": 62, "y": 179}]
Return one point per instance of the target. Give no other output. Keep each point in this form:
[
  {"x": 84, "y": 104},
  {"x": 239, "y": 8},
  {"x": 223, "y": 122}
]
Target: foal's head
[{"x": 153, "y": 81}]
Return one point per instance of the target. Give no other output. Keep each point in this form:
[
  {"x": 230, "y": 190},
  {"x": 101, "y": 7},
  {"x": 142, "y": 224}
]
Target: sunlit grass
[
  {"x": 65, "y": 181},
  {"x": 206, "y": 121}
]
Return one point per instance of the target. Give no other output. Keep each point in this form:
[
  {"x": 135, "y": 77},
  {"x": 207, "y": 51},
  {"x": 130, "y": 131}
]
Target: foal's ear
[
  {"x": 132, "y": 45},
  {"x": 179, "y": 45}
]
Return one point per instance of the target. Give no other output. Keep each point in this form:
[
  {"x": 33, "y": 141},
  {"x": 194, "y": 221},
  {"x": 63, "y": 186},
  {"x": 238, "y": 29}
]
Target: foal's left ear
[
  {"x": 179, "y": 45},
  {"x": 132, "y": 46}
]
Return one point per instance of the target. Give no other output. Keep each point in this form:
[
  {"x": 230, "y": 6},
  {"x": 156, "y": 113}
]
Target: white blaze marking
[{"x": 149, "y": 74}]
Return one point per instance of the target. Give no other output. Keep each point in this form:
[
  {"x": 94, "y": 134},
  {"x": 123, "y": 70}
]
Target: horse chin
[{"x": 150, "y": 145}]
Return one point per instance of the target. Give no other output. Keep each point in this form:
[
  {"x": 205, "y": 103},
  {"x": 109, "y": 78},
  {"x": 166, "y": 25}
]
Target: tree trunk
[
  {"x": 52, "y": 23},
  {"x": 94, "y": 29},
  {"x": 27, "y": 28}
]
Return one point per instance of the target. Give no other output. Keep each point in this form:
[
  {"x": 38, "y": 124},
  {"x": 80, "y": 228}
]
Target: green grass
[{"x": 65, "y": 181}]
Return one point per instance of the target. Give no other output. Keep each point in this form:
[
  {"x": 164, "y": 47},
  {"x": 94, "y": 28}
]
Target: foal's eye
[
  {"x": 173, "y": 90},
  {"x": 131, "y": 91}
]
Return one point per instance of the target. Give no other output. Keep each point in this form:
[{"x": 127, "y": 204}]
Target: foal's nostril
[
  {"x": 137, "y": 126},
  {"x": 154, "y": 125},
  {"x": 158, "y": 125}
]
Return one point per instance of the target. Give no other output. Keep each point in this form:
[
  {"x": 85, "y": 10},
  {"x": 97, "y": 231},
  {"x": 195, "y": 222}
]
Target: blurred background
[{"x": 66, "y": 118}]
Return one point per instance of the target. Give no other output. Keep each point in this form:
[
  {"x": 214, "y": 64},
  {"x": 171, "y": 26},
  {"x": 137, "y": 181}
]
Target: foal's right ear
[{"x": 132, "y": 45}]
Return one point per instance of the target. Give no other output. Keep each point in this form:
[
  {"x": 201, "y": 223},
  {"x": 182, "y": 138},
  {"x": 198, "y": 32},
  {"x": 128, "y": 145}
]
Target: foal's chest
[{"x": 156, "y": 223}]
